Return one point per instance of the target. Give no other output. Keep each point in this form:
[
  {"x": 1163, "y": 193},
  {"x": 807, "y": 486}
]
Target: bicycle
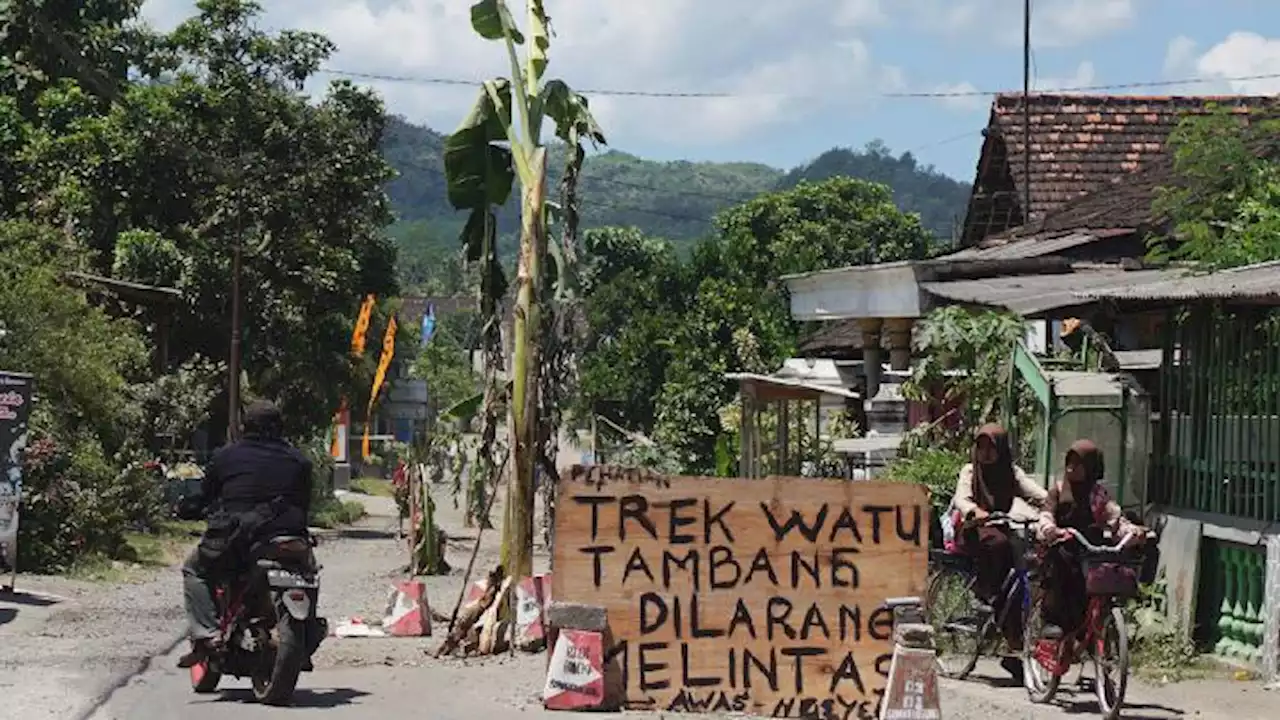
[
  {"x": 961, "y": 621},
  {"x": 1111, "y": 579}
]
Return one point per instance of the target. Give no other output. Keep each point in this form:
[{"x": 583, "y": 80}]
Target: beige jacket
[
  {"x": 1105, "y": 511},
  {"x": 1028, "y": 497}
]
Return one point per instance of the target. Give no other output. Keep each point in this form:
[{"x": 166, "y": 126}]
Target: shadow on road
[
  {"x": 1132, "y": 711},
  {"x": 29, "y": 599},
  {"x": 7, "y": 615},
  {"x": 303, "y": 698}
]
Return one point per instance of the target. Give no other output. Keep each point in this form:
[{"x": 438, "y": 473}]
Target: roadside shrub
[
  {"x": 935, "y": 468},
  {"x": 76, "y": 504}
]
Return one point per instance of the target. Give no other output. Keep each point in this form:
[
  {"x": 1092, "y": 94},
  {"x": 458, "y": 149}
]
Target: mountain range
[{"x": 674, "y": 200}]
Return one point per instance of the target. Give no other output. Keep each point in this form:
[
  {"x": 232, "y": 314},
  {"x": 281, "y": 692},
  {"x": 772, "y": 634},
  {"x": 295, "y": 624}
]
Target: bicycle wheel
[
  {"x": 1111, "y": 686},
  {"x": 950, "y": 605},
  {"x": 1041, "y": 684}
]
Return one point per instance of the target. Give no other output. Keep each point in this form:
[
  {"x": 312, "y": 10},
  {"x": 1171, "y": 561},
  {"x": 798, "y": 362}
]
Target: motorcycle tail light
[
  {"x": 297, "y": 595},
  {"x": 292, "y": 546}
]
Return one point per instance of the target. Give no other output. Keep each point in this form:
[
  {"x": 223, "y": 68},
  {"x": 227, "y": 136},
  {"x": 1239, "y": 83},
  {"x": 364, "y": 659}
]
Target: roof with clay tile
[{"x": 1078, "y": 144}]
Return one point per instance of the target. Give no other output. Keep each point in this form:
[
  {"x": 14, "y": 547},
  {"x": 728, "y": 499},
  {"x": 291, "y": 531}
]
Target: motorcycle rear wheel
[{"x": 274, "y": 682}]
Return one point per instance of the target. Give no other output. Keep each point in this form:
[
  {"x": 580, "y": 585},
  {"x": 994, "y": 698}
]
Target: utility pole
[
  {"x": 1026, "y": 111},
  {"x": 233, "y": 363},
  {"x": 237, "y": 270}
]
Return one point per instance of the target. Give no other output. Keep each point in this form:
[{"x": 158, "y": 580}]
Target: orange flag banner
[
  {"x": 342, "y": 418},
  {"x": 362, "y": 326},
  {"x": 384, "y": 364}
]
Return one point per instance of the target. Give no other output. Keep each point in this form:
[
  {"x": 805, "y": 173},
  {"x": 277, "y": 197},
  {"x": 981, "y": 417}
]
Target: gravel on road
[{"x": 90, "y": 651}]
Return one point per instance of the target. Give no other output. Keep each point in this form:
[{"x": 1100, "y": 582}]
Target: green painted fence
[
  {"x": 1233, "y": 587},
  {"x": 1217, "y": 446}
]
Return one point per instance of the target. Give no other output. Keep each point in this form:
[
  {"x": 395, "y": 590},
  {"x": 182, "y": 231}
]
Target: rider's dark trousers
[
  {"x": 1066, "y": 596},
  {"x": 197, "y": 592}
]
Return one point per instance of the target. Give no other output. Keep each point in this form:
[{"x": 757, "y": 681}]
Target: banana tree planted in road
[{"x": 499, "y": 142}]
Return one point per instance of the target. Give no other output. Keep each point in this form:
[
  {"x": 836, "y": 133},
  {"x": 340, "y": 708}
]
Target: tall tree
[
  {"x": 725, "y": 308},
  {"x": 481, "y": 173},
  {"x": 217, "y": 144},
  {"x": 1222, "y": 203}
]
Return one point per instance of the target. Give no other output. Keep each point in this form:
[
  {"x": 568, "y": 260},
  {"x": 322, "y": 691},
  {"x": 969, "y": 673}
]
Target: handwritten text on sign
[{"x": 743, "y": 595}]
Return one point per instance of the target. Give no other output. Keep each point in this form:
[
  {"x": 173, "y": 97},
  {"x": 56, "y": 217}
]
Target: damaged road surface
[{"x": 78, "y": 651}]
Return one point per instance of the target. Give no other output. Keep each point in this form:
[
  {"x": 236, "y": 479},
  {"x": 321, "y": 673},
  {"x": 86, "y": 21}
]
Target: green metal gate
[{"x": 1218, "y": 438}]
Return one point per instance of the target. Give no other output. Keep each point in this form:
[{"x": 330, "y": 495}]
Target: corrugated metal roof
[
  {"x": 813, "y": 387},
  {"x": 1253, "y": 283},
  {"x": 1029, "y": 247},
  {"x": 1035, "y": 294}
]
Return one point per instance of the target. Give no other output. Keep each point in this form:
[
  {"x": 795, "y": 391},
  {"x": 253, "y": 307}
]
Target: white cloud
[
  {"x": 1054, "y": 23},
  {"x": 1241, "y": 55},
  {"x": 782, "y": 61},
  {"x": 961, "y": 96},
  {"x": 1084, "y": 76},
  {"x": 1180, "y": 56}
]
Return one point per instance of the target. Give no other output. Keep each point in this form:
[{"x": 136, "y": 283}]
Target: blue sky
[{"x": 799, "y": 76}]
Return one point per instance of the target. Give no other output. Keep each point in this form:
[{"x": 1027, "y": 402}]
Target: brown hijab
[
  {"x": 1068, "y": 503},
  {"x": 993, "y": 483}
]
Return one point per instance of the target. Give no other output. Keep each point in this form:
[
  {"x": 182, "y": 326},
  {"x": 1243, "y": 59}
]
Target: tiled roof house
[
  {"x": 1096, "y": 164},
  {"x": 1079, "y": 144}
]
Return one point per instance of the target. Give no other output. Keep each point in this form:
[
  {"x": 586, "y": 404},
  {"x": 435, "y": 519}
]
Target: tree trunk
[{"x": 526, "y": 368}]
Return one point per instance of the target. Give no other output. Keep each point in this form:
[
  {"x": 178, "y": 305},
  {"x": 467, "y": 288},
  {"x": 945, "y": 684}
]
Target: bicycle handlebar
[
  {"x": 1002, "y": 519},
  {"x": 1100, "y": 549}
]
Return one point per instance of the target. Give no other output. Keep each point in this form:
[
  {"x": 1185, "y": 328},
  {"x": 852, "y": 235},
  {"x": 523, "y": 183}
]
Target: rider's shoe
[
  {"x": 199, "y": 652},
  {"x": 1013, "y": 666},
  {"x": 1051, "y": 632}
]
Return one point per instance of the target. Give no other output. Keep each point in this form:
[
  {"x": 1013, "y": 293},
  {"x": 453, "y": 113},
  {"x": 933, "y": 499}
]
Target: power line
[{"x": 1148, "y": 84}]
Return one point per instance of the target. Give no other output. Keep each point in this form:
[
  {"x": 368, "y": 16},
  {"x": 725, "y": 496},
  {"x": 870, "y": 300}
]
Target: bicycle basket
[{"x": 1111, "y": 578}]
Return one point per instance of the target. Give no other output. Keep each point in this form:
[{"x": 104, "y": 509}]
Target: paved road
[
  {"x": 507, "y": 689},
  {"x": 59, "y": 664}
]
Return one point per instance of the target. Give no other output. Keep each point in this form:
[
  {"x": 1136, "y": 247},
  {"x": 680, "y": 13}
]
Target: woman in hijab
[
  {"x": 1080, "y": 502},
  {"x": 992, "y": 483}
]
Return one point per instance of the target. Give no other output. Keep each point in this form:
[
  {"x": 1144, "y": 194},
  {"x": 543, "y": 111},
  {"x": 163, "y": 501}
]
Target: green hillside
[{"x": 674, "y": 200}]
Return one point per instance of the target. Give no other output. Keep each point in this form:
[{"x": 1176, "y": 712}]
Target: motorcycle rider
[{"x": 255, "y": 489}]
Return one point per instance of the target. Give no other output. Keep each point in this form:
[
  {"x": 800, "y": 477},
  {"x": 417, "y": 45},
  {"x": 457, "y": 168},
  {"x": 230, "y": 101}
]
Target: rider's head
[
  {"x": 1084, "y": 463},
  {"x": 991, "y": 446},
  {"x": 262, "y": 419}
]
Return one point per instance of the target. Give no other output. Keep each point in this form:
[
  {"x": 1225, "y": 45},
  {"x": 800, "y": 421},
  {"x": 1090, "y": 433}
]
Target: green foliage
[
  {"x": 151, "y": 177},
  {"x": 663, "y": 332},
  {"x": 444, "y": 364},
  {"x": 939, "y": 200},
  {"x": 635, "y": 290},
  {"x": 146, "y": 257},
  {"x": 1223, "y": 204},
  {"x": 935, "y": 468},
  {"x": 327, "y": 511},
  {"x": 82, "y": 359},
  {"x": 174, "y": 405},
  {"x": 214, "y": 145},
  {"x": 76, "y": 504},
  {"x": 677, "y": 201},
  {"x": 1157, "y": 643},
  {"x": 967, "y": 359}
]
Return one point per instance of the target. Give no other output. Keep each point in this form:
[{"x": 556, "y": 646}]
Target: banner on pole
[
  {"x": 384, "y": 364},
  {"x": 15, "y": 413}
]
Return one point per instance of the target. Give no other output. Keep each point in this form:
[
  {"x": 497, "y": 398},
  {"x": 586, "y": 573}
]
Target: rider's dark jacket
[{"x": 255, "y": 489}]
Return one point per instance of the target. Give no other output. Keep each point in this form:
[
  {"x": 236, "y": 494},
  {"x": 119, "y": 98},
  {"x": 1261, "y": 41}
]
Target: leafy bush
[
  {"x": 935, "y": 468},
  {"x": 75, "y": 504},
  {"x": 1157, "y": 642}
]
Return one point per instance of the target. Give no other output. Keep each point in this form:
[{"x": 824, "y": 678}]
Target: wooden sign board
[{"x": 735, "y": 595}]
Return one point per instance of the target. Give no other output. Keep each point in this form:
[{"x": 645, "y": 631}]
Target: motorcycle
[{"x": 268, "y": 628}]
